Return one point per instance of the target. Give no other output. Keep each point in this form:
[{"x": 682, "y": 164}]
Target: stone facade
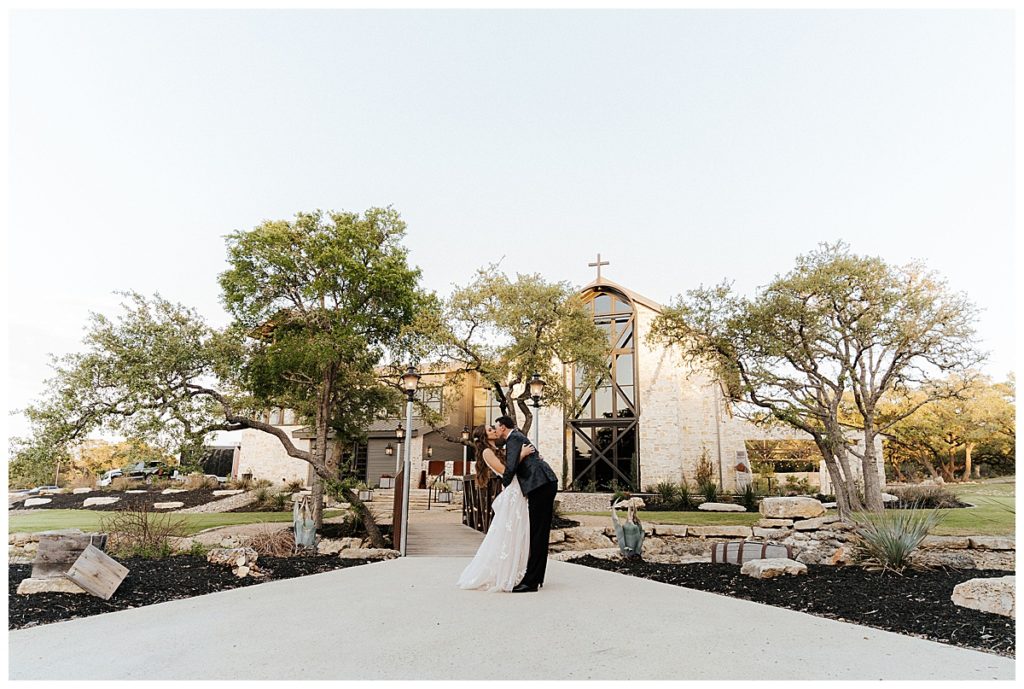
[{"x": 263, "y": 456}]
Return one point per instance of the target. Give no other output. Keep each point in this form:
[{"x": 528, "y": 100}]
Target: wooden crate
[
  {"x": 58, "y": 551},
  {"x": 97, "y": 572}
]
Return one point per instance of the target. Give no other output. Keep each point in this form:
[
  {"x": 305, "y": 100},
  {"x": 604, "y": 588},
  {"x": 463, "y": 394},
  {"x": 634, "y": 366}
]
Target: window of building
[{"x": 485, "y": 406}]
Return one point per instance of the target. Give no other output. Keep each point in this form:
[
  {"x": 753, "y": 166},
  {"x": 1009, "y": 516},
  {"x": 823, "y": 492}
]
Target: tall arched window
[{"x": 604, "y": 432}]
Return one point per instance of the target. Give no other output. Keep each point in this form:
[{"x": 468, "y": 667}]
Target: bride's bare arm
[{"x": 493, "y": 462}]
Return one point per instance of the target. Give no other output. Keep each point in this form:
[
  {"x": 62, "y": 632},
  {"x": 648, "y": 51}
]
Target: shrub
[
  {"x": 748, "y": 498},
  {"x": 932, "y": 497},
  {"x": 85, "y": 480},
  {"x": 262, "y": 483},
  {"x": 241, "y": 483},
  {"x": 889, "y": 538},
  {"x": 684, "y": 500},
  {"x": 280, "y": 501},
  {"x": 296, "y": 486},
  {"x": 120, "y": 484},
  {"x": 667, "y": 492},
  {"x": 198, "y": 549},
  {"x": 705, "y": 469},
  {"x": 710, "y": 491},
  {"x": 273, "y": 541},
  {"x": 136, "y": 531},
  {"x": 795, "y": 486},
  {"x": 199, "y": 482}
]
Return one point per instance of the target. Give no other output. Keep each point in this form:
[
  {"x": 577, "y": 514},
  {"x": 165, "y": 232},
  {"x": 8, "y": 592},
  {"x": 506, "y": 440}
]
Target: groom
[{"x": 540, "y": 485}]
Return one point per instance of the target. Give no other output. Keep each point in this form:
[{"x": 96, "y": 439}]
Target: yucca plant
[
  {"x": 667, "y": 492},
  {"x": 710, "y": 491},
  {"x": 888, "y": 539},
  {"x": 748, "y": 498},
  {"x": 684, "y": 500}
]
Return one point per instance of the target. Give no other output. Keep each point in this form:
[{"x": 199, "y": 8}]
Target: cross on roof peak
[{"x": 598, "y": 265}]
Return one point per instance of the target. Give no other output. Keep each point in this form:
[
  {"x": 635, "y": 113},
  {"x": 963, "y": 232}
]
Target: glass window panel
[
  {"x": 602, "y": 305},
  {"x": 624, "y": 369},
  {"x": 625, "y": 339},
  {"x": 621, "y": 306},
  {"x": 607, "y": 328},
  {"x": 603, "y": 403},
  {"x": 627, "y": 392}
]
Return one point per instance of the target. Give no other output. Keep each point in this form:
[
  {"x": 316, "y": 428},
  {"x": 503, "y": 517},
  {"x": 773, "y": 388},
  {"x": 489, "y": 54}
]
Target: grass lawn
[
  {"x": 48, "y": 520},
  {"x": 992, "y": 516}
]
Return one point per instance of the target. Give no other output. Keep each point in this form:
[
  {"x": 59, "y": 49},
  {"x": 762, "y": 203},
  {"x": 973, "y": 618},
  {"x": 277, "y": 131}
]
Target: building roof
[{"x": 638, "y": 298}]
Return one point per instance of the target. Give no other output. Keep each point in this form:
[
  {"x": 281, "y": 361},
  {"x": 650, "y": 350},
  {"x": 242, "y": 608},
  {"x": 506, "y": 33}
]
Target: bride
[{"x": 500, "y": 562}]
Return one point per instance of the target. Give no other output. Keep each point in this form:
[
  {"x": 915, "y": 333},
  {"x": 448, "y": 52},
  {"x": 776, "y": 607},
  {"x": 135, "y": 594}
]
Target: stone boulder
[
  {"x": 787, "y": 508},
  {"x": 167, "y": 505},
  {"x": 815, "y": 523},
  {"x": 720, "y": 531},
  {"x": 772, "y": 567},
  {"x": 587, "y": 538},
  {"x": 89, "y": 502},
  {"x": 35, "y": 502},
  {"x": 556, "y": 536},
  {"x": 81, "y": 491},
  {"x": 22, "y": 537},
  {"x": 332, "y": 546},
  {"x": 993, "y": 542},
  {"x": 172, "y": 491},
  {"x": 218, "y": 493},
  {"x": 933, "y": 557},
  {"x": 994, "y": 595},
  {"x": 951, "y": 542},
  {"x": 600, "y": 553},
  {"x": 771, "y": 533},
  {"x": 241, "y": 560},
  {"x": 49, "y": 585},
  {"x": 677, "y": 530},
  {"x": 720, "y": 507},
  {"x": 135, "y": 492},
  {"x": 773, "y": 523},
  {"x": 369, "y": 554}
]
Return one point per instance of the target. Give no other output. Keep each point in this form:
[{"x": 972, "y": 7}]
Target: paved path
[{"x": 404, "y": 619}]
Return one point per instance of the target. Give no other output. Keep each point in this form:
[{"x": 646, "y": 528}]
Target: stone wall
[
  {"x": 824, "y": 541},
  {"x": 263, "y": 456}
]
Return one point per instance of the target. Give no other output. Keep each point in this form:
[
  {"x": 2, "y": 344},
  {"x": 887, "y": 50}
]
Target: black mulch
[
  {"x": 155, "y": 581},
  {"x": 67, "y": 501},
  {"x": 916, "y": 603},
  {"x": 563, "y": 523}
]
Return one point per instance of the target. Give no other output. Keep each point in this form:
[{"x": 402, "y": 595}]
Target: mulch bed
[
  {"x": 155, "y": 581},
  {"x": 67, "y": 501},
  {"x": 916, "y": 603},
  {"x": 563, "y": 523}
]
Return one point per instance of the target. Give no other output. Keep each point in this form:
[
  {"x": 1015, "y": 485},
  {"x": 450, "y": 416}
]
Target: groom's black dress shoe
[{"x": 523, "y": 588}]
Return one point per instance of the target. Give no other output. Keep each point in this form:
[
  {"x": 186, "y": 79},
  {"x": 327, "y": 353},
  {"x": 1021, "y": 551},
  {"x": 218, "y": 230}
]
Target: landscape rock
[
  {"x": 994, "y": 595},
  {"x": 770, "y": 533},
  {"x": 81, "y": 491},
  {"x": 51, "y": 491},
  {"x": 784, "y": 508},
  {"x": 136, "y": 492},
  {"x": 954, "y": 559},
  {"x": 720, "y": 507},
  {"x": 89, "y": 502},
  {"x": 33, "y": 502},
  {"x": 232, "y": 557},
  {"x": 670, "y": 530},
  {"x": 772, "y": 567},
  {"x": 227, "y": 492},
  {"x": 587, "y": 538},
  {"x": 993, "y": 542},
  {"x": 167, "y": 505},
  {"x": 717, "y": 531},
  {"x": 369, "y": 554},
  {"x": 829, "y": 505},
  {"x": 332, "y": 546},
  {"x": 172, "y": 491},
  {"x": 49, "y": 585},
  {"x": 953, "y": 542},
  {"x": 600, "y": 553},
  {"x": 556, "y": 536},
  {"x": 815, "y": 523},
  {"x": 773, "y": 523},
  {"x": 889, "y": 497}
]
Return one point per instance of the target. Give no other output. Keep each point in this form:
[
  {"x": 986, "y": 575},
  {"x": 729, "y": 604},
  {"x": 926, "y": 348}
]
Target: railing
[
  {"x": 476, "y": 502},
  {"x": 396, "y": 513}
]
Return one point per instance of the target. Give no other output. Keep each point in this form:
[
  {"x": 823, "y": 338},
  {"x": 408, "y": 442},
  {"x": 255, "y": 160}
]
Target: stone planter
[
  {"x": 387, "y": 482},
  {"x": 444, "y": 496},
  {"x": 366, "y": 495}
]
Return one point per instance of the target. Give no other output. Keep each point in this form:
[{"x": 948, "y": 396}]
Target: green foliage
[
  {"x": 749, "y": 499},
  {"x": 667, "y": 492},
  {"x": 795, "y": 486},
  {"x": 198, "y": 549},
  {"x": 709, "y": 491},
  {"x": 684, "y": 499},
  {"x": 280, "y": 501},
  {"x": 890, "y": 538},
  {"x": 138, "y": 532},
  {"x": 705, "y": 474}
]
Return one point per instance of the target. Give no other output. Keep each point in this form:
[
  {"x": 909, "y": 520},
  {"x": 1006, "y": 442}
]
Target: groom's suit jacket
[{"x": 533, "y": 472}]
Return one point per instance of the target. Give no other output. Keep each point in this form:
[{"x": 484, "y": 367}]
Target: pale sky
[{"x": 685, "y": 146}]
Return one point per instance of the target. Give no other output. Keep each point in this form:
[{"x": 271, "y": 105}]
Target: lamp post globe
[{"x": 536, "y": 390}]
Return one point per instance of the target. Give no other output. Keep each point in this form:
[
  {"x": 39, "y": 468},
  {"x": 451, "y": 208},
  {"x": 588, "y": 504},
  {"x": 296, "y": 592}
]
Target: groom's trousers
[{"x": 542, "y": 507}]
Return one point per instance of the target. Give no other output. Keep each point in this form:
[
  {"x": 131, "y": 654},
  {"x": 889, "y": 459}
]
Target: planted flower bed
[
  {"x": 152, "y": 581},
  {"x": 915, "y": 603}
]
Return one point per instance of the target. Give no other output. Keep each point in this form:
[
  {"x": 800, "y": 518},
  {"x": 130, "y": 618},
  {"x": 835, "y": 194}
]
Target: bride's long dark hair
[{"x": 480, "y": 443}]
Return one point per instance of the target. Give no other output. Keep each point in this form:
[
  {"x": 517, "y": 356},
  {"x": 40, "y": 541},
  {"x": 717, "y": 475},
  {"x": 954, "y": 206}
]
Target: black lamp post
[{"x": 410, "y": 380}]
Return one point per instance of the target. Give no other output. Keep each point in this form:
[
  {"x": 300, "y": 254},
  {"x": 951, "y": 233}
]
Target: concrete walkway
[{"x": 404, "y": 619}]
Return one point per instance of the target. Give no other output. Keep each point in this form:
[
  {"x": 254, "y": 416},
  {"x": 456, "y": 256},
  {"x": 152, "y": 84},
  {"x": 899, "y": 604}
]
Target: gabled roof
[{"x": 638, "y": 298}]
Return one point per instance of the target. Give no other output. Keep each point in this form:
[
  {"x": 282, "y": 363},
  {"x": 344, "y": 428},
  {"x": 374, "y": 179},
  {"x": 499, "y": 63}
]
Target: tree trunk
[
  {"x": 869, "y": 468},
  {"x": 929, "y": 466},
  {"x": 366, "y": 516},
  {"x": 319, "y": 454},
  {"x": 967, "y": 461}
]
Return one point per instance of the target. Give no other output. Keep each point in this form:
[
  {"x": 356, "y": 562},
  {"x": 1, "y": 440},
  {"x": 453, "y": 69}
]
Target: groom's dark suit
[{"x": 540, "y": 485}]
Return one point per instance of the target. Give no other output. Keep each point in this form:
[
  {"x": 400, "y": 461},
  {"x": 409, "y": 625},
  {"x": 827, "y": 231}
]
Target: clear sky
[{"x": 685, "y": 146}]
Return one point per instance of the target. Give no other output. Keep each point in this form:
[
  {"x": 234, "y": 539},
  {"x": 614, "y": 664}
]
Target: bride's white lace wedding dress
[{"x": 500, "y": 562}]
